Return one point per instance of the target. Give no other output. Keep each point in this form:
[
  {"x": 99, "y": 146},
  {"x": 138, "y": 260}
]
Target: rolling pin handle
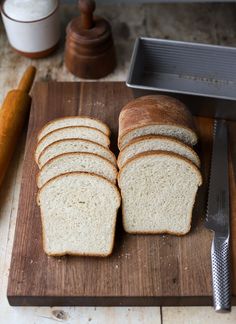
[
  {"x": 87, "y": 8},
  {"x": 27, "y": 79}
]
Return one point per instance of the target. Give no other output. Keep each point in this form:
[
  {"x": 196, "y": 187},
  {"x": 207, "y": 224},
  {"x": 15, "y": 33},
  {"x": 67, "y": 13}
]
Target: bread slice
[
  {"x": 183, "y": 134},
  {"x": 156, "y": 115},
  {"x": 158, "y": 192},
  {"x": 71, "y": 162},
  {"x": 82, "y": 132},
  {"x": 74, "y": 145},
  {"x": 78, "y": 212},
  {"x": 73, "y": 121},
  {"x": 156, "y": 143}
]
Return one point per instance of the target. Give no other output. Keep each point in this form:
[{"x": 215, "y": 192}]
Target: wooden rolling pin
[{"x": 13, "y": 115}]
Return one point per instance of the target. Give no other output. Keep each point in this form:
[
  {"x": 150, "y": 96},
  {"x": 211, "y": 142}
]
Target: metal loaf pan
[{"x": 203, "y": 76}]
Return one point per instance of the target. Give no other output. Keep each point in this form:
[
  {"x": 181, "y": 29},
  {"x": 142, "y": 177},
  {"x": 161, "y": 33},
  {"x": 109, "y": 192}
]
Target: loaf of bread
[
  {"x": 73, "y": 121},
  {"x": 155, "y": 143},
  {"x": 158, "y": 193},
  {"x": 77, "y": 161},
  {"x": 78, "y": 212},
  {"x": 159, "y": 174},
  {"x": 77, "y": 195},
  {"x": 82, "y": 132},
  {"x": 156, "y": 115},
  {"x": 74, "y": 145}
]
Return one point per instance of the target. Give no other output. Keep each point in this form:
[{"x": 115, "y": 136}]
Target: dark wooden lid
[
  {"x": 88, "y": 27},
  {"x": 101, "y": 29}
]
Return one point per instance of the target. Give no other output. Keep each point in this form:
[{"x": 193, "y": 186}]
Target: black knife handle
[{"x": 220, "y": 261}]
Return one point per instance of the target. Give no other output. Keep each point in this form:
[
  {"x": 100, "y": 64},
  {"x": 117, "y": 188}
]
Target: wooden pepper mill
[{"x": 89, "y": 51}]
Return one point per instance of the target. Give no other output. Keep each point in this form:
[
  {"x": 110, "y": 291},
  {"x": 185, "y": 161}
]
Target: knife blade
[{"x": 218, "y": 218}]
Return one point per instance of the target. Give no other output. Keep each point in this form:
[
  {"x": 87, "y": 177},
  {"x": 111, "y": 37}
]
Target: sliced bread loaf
[
  {"x": 158, "y": 192},
  {"x": 82, "y": 132},
  {"x": 156, "y": 143},
  {"x": 74, "y": 145},
  {"x": 78, "y": 212},
  {"x": 72, "y": 162},
  {"x": 156, "y": 115},
  {"x": 73, "y": 121}
]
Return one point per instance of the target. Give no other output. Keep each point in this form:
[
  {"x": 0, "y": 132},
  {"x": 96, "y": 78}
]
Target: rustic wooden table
[{"x": 213, "y": 23}]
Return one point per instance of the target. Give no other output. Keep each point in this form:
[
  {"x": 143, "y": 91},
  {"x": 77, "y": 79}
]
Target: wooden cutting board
[{"x": 143, "y": 269}]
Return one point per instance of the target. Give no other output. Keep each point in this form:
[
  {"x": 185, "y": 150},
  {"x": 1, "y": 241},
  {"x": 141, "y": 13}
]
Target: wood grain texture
[{"x": 143, "y": 269}]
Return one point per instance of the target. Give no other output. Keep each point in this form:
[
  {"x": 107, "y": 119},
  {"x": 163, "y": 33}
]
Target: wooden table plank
[
  {"x": 196, "y": 315},
  {"x": 143, "y": 269}
]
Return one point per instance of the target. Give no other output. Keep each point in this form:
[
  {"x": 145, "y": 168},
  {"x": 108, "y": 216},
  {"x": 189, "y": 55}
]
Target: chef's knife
[{"x": 218, "y": 219}]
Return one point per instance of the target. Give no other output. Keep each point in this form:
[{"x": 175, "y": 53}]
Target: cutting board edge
[{"x": 94, "y": 301}]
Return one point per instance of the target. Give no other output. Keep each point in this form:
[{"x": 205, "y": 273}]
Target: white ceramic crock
[{"x": 36, "y": 38}]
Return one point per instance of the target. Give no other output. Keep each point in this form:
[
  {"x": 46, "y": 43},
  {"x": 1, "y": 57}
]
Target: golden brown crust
[
  {"x": 76, "y": 139},
  {"x": 114, "y": 225},
  {"x": 154, "y": 110},
  {"x": 152, "y": 137},
  {"x": 63, "y": 128},
  {"x": 151, "y": 109},
  {"x": 74, "y": 154},
  {"x": 108, "y": 132},
  {"x": 161, "y": 153},
  {"x": 121, "y": 140},
  {"x": 157, "y": 232},
  {"x": 57, "y": 255}
]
